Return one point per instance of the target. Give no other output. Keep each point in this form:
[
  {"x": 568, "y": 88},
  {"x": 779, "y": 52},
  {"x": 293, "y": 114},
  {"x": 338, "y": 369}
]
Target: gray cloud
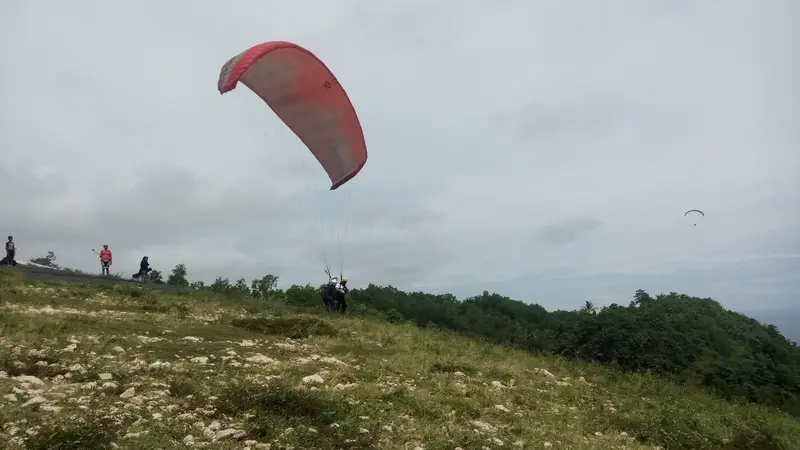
[
  {"x": 487, "y": 125},
  {"x": 567, "y": 230}
]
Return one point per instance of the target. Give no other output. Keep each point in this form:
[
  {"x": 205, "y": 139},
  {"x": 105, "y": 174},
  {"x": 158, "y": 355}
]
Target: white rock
[
  {"x": 30, "y": 380},
  {"x": 332, "y": 360},
  {"x": 230, "y": 433},
  {"x": 130, "y": 392},
  {"x": 483, "y": 426},
  {"x": 159, "y": 365},
  {"x": 260, "y": 359},
  {"x": 313, "y": 379},
  {"x": 35, "y": 401}
]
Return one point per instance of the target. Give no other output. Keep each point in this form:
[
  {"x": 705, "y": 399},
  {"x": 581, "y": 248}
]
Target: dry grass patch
[
  {"x": 293, "y": 327},
  {"x": 304, "y": 418}
]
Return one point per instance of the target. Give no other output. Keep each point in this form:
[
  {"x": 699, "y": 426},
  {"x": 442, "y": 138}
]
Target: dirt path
[{"x": 33, "y": 274}]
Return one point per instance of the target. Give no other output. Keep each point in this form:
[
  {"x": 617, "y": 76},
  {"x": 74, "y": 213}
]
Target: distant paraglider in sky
[{"x": 695, "y": 211}]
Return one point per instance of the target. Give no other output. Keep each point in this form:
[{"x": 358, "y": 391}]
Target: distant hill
[{"x": 787, "y": 320}]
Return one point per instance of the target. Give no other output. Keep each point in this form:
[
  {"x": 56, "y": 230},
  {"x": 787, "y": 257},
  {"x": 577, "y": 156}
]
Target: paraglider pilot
[
  {"x": 333, "y": 295},
  {"x": 339, "y": 295},
  {"x": 328, "y": 294}
]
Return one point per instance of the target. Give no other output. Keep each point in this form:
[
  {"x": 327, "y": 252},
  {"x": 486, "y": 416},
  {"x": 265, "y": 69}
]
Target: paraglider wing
[
  {"x": 303, "y": 92},
  {"x": 694, "y": 210}
]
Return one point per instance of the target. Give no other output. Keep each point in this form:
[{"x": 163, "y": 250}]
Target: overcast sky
[{"x": 544, "y": 150}]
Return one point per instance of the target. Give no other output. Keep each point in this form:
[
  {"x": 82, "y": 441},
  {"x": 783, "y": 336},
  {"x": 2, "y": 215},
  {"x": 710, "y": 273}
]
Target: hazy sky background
[{"x": 543, "y": 150}]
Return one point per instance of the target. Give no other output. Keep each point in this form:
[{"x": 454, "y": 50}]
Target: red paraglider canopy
[{"x": 306, "y": 96}]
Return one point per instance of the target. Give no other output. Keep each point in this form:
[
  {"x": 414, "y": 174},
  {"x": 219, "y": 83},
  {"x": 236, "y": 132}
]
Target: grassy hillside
[
  {"x": 95, "y": 367},
  {"x": 689, "y": 340}
]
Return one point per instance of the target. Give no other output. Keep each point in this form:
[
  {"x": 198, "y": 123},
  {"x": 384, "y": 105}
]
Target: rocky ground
[{"x": 96, "y": 367}]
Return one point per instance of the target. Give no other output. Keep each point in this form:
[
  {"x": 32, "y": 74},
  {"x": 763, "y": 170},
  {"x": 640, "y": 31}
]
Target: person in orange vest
[{"x": 105, "y": 260}]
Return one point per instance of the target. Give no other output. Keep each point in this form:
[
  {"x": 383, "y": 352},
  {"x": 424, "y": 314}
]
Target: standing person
[
  {"x": 105, "y": 260},
  {"x": 329, "y": 294},
  {"x": 339, "y": 296},
  {"x": 11, "y": 251},
  {"x": 144, "y": 270}
]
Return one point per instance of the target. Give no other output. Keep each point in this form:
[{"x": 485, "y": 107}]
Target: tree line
[{"x": 684, "y": 339}]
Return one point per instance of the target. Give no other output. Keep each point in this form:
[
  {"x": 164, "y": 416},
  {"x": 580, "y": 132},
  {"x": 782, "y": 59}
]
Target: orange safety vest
[{"x": 105, "y": 255}]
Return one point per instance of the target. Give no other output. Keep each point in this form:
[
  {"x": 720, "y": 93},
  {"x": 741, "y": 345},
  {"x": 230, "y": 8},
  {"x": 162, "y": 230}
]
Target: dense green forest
[{"x": 685, "y": 339}]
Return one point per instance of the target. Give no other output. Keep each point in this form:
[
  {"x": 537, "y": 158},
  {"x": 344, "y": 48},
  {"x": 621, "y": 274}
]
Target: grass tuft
[
  {"x": 97, "y": 434},
  {"x": 293, "y": 327}
]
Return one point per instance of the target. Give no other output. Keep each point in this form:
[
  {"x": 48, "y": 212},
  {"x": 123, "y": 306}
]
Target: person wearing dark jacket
[
  {"x": 328, "y": 294},
  {"x": 339, "y": 295},
  {"x": 144, "y": 270},
  {"x": 11, "y": 252}
]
